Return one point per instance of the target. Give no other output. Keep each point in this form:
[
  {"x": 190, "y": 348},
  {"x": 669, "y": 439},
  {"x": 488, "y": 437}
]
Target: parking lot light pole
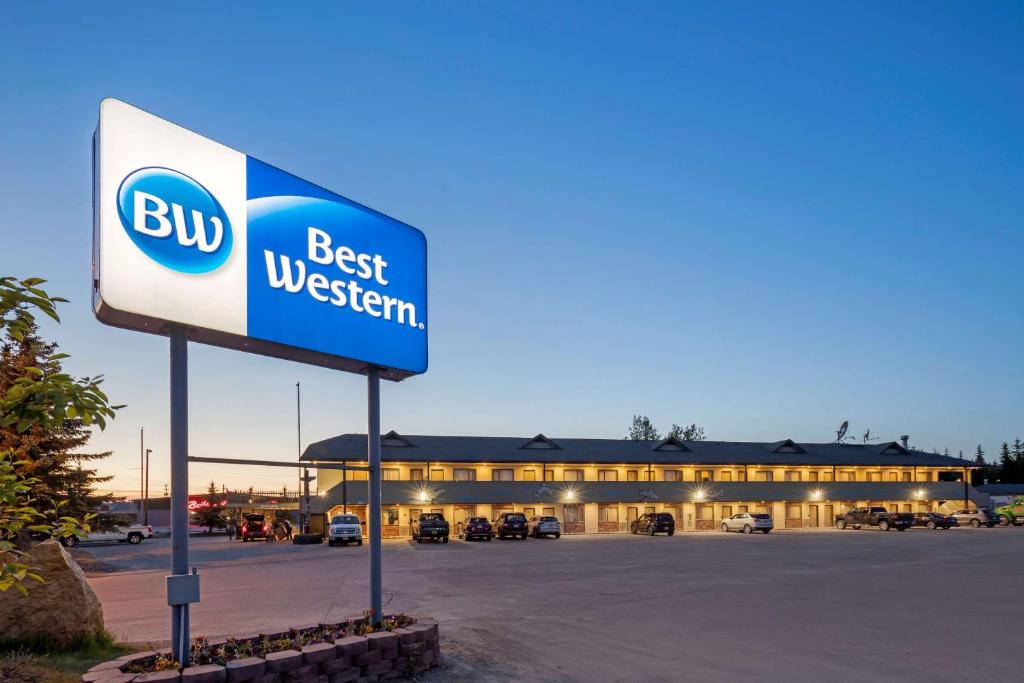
[{"x": 373, "y": 459}]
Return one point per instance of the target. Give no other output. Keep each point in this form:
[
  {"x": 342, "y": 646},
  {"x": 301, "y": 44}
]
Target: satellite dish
[{"x": 842, "y": 431}]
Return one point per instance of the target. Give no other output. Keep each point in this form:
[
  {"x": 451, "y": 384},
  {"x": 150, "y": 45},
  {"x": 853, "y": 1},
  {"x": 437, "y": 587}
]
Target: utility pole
[
  {"x": 142, "y": 471},
  {"x": 145, "y": 497}
]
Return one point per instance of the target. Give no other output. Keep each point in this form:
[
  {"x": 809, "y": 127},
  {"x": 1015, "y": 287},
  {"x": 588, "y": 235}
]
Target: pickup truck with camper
[
  {"x": 1012, "y": 513},
  {"x": 430, "y": 526},
  {"x": 856, "y": 518},
  {"x": 132, "y": 533}
]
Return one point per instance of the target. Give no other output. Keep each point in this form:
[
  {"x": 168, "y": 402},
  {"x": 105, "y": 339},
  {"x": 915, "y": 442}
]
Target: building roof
[
  {"x": 423, "y": 448},
  {"x": 1002, "y": 489}
]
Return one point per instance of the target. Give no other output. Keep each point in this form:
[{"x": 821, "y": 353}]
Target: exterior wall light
[
  {"x": 422, "y": 496},
  {"x": 816, "y": 494}
]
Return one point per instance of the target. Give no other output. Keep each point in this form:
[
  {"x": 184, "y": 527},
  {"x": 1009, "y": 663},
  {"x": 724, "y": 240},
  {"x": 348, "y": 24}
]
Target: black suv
[
  {"x": 651, "y": 523},
  {"x": 509, "y": 524}
]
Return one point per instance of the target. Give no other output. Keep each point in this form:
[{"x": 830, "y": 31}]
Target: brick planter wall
[
  {"x": 390, "y": 531},
  {"x": 572, "y": 528},
  {"x": 705, "y": 525},
  {"x": 379, "y": 656},
  {"x": 608, "y": 527},
  {"x": 795, "y": 523}
]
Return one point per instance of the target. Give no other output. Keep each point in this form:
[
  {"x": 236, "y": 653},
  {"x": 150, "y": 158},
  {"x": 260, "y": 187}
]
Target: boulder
[{"x": 62, "y": 610}]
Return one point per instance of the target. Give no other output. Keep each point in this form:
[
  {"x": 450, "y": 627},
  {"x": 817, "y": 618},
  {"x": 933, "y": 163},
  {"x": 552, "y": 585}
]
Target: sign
[
  {"x": 246, "y": 256},
  {"x": 195, "y": 504}
]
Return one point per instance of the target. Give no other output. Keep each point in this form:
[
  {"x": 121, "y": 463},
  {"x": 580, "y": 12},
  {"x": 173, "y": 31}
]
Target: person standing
[
  {"x": 288, "y": 529},
  {"x": 231, "y": 529}
]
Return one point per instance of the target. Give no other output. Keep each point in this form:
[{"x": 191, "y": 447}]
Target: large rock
[{"x": 62, "y": 610}]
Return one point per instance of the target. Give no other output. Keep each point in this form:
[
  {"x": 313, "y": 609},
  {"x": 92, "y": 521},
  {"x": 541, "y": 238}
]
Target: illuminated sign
[
  {"x": 246, "y": 256},
  {"x": 203, "y": 504}
]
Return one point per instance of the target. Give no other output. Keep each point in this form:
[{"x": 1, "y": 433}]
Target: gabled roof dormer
[
  {"x": 785, "y": 446},
  {"x": 670, "y": 443},
  {"x": 395, "y": 440},
  {"x": 891, "y": 448},
  {"x": 540, "y": 441}
]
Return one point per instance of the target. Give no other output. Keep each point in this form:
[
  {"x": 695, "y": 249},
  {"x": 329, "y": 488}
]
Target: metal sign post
[
  {"x": 373, "y": 458},
  {"x": 179, "y": 598}
]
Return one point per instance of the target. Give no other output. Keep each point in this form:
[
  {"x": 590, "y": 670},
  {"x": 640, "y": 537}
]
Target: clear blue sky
[{"x": 765, "y": 218}]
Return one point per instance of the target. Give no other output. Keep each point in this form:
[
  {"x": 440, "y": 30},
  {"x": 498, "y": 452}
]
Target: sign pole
[
  {"x": 373, "y": 459},
  {"x": 179, "y": 486}
]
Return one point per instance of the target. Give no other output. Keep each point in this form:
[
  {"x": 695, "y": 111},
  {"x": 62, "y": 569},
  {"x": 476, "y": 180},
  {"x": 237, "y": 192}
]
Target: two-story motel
[{"x": 601, "y": 485}]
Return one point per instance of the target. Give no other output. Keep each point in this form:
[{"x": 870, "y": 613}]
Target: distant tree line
[
  {"x": 1007, "y": 469},
  {"x": 643, "y": 429}
]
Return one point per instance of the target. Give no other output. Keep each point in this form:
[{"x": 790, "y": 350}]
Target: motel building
[{"x": 601, "y": 485}]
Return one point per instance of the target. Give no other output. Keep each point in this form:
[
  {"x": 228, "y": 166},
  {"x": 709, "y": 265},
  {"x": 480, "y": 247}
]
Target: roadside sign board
[{"x": 246, "y": 256}]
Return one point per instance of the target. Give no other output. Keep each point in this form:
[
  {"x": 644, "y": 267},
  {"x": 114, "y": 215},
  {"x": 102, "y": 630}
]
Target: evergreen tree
[
  {"x": 210, "y": 515},
  {"x": 979, "y": 457},
  {"x": 643, "y": 429},
  {"x": 1006, "y": 464},
  {"x": 51, "y": 454}
]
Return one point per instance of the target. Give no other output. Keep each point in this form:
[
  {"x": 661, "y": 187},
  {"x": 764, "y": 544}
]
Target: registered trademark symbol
[{"x": 421, "y": 326}]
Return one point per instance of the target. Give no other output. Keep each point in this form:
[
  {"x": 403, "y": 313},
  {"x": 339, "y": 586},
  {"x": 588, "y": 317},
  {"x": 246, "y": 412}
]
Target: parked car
[
  {"x": 1012, "y": 513},
  {"x": 509, "y": 524},
  {"x": 874, "y": 516},
  {"x": 431, "y": 526},
  {"x": 976, "y": 518},
  {"x": 544, "y": 526},
  {"x": 254, "y": 528},
  {"x": 132, "y": 533},
  {"x": 748, "y": 522},
  {"x": 651, "y": 523},
  {"x": 934, "y": 520},
  {"x": 476, "y": 527},
  {"x": 344, "y": 529}
]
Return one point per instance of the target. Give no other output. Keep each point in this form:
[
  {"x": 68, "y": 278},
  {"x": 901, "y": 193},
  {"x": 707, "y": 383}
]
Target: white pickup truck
[{"x": 133, "y": 534}]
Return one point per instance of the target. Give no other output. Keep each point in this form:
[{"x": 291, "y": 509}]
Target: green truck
[{"x": 1012, "y": 513}]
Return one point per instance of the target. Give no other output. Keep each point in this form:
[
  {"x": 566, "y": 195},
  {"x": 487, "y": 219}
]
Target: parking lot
[{"x": 790, "y": 606}]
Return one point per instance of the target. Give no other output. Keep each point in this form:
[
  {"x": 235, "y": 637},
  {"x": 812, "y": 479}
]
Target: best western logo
[{"x": 174, "y": 220}]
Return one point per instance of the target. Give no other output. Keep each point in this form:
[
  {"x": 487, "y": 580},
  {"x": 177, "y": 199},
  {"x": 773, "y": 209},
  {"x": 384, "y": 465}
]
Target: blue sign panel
[{"x": 332, "y": 276}]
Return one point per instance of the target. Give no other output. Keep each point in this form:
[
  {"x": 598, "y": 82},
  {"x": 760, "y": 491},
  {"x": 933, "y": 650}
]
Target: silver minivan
[
  {"x": 544, "y": 526},
  {"x": 748, "y": 522}
]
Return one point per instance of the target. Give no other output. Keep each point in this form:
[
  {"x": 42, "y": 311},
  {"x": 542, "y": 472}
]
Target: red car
[{"x": 476, "y": 527}]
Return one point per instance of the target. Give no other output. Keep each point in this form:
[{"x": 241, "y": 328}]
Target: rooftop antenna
[
  {"x": 867, "y": 436},
  {"x": 841, "y": 432}
]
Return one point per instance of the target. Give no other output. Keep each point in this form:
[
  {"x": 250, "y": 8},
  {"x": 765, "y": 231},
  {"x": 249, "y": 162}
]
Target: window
[
  {"x": 874, "y": 476},
  {"x": 705, "y": 513},
  {"x": 727, "y": 511},
  {"x": 530, "y": 512},
  {"x": 741, "y": 508},
  {"x": 762, "y": 475},
  {"x": 608, "y": 513},
  {"x": 846, "y": 475},
  {"x": 741, "y": 475},
  {"x": 631, "y": 514},
  {"x": 648, "y": 475},
  {"x": 826, "y": 475},
  {"x": 416, "y": 474},
  {"x": 893, "y": 476},
  {"x": 503, "y": 475},
  {"x": 793, "y": 512},
  {"x": 572, "y": 475},
  {"x": 389, "y": 474},
  {"x": 529, "y": 475},
  {"x": 905, "y": 476},
  {"x": 725, "y": 476},
  {"x": 673, "y": 475},
  {"x": 925, "y": 476},
  {"x": 792, "y": 475},
  {"x": 436, "y": 474},
  {"x": 549, "y": 475},
  {"x": 705, "y": 475},
  {"x": 548, "y": 512},
  {"x": 607, "y": 475},
  {"x": 389, "y": 516},
  {"x": 812, "y": 476},
  {"x": 632, "y": 475},
  {"x": 464, "y": 474}
]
